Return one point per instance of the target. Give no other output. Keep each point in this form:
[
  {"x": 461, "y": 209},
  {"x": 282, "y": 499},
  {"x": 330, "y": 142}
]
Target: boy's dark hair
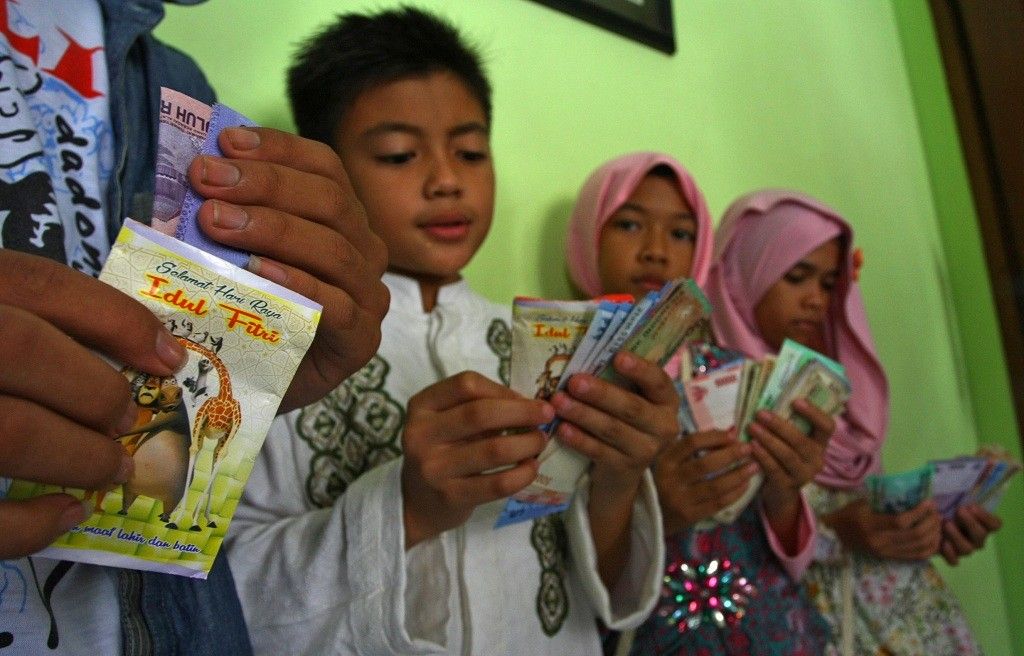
[{"x": 360, "y": 51}]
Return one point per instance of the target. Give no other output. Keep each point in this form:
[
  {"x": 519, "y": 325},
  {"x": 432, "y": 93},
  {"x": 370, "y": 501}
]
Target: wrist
[
  {"x": 673, "y": 522},
  {"x": 780, "y": 502},
  {"x": 423, "y": 514},
  {"x": 614, "y": 489}
]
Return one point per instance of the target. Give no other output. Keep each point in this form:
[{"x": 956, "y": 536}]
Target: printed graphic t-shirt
[
  {"x": 56, "y": 159},
  {"x": 56, "y": 142}
]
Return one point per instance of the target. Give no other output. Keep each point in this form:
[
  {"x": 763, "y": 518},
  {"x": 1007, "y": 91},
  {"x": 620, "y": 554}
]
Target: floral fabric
[{"x": 899, "y": 608}]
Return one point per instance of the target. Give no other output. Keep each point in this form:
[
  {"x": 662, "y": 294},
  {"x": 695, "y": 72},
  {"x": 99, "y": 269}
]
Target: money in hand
[
  {"x": 896, "y": 493},
  {"x": 544, "y": 357},
  {"x": 953, "y": 482},
  {"x": 730, "y": 395},
  {"x": 184, "y": 122},
  {"x": 821, "y": 386}
]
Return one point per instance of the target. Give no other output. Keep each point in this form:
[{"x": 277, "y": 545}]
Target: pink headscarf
[
  {"x": 604, "y": 192},
  {"x": 761, "y": 236}
]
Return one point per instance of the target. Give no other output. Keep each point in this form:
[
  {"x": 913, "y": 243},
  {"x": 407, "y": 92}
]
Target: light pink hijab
[
  {"x": 604, "y": 192},
  {"x": 761, "y": 236}
]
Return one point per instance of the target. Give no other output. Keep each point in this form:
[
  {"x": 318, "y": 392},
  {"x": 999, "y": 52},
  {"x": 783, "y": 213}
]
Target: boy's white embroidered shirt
[{"x": 317, "y": 544}]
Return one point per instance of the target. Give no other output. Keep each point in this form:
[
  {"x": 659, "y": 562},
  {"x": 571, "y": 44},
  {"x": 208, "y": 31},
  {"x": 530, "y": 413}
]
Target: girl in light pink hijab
[
  {"x": 640, "y": 220},
  {"x": 607, "y": 191},
  {"x": 783, "y": 268}
]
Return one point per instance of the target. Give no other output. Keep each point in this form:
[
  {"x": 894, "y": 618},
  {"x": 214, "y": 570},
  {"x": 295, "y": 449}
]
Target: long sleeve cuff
[
  {"x": 794, "y": 564},
  {"x": 637, "y": 590},
  {"x": 397, "y": 594}
]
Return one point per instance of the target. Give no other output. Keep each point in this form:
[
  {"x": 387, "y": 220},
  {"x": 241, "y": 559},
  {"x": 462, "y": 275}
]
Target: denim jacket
[{"x": 160, "y": 613}]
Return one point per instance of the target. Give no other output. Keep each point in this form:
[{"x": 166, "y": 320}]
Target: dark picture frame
[{"x": 646, "y": 21}]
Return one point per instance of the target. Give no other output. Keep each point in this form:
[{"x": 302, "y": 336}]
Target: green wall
[
  {"x": 984, "y": 365},
  {"x": 836, "y": 98}
]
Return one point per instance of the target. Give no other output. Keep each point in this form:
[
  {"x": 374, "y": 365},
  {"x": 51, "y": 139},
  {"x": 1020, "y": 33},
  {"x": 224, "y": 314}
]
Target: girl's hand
[
  {"x": 689, "y": 478},
  {"x": 788, "y": 457},
  {"x": 910, "y": 535},
  {"x": 966, "y": 532}
]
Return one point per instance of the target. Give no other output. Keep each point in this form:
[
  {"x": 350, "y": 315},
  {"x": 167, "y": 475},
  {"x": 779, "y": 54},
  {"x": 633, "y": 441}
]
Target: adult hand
[
  {"x": 60, "y": 404},
  {"x": 910, "y": 535},
  {"x": 967, "y": 532},
  {"x": 690, "y": 479},
  {"x": 467, "y": 441},
  {"x": 288, "y": 201}
]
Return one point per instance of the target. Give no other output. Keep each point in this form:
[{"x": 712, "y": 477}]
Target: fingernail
[
  {"x": 74, "y": 515},
  {"x": 627, "y": 361},
  {"x": 129, "y": 418},
  {"x": 561, "y": 402},
  {"x": 170, "y": 351},
  {"x": 268, "y": 269},
  {"x": 125, "y": 470},
  {"x": 548, "y": 411},
  {"x": 229, "y": 217},
  {"x": 243, "y": 138},
  {"x": 220, "y": 173},
  {"x": 581, "y": 384}
]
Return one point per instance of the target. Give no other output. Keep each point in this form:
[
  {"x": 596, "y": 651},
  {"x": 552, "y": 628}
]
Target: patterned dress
[
  {"x": 317, "y": 544},
  {"x": 896, "y": 608},
  {"x": 774, "y": 619}
]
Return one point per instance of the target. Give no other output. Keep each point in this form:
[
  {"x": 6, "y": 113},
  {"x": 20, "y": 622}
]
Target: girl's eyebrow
[
  {"x": 682, "y": 216},
  {"x": 804, "y": 265}
]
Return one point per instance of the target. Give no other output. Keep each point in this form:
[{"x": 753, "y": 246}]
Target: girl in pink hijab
[
  {"x": 641, "y": 192},
  {"x": 640, "y": 220},
  {"x": 784, "y": 268}
]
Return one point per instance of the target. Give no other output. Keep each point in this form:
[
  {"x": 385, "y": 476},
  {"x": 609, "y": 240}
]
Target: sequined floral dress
[
  {"x": 895, "y": 608},
  {"x": 775, "y": 619}
]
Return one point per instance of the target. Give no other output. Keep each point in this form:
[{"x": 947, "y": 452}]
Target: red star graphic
[
  {"x": 28, "y": 46},
  {"x": 75, "y": 67}
]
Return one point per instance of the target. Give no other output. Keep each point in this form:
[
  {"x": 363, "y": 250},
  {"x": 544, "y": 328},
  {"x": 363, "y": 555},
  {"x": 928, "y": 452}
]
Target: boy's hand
[
  {"x": 288, "y": 201},
  {"x": 687, "y": 489},
  {"x": 621, "y": 432},
  {"x": 788, "y": 457},
  {"x": 60, "y": 404},
  {"x": 967, "y": 532},
  {"x": 910, "y": 535},
  {"x": 453, "y": 436}
]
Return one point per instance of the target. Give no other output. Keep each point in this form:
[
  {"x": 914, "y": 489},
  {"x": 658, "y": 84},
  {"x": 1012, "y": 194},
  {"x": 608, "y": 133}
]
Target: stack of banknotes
[
  {"x": 552, "y": 340},
  {"x": 720, "y": 389},
  {"x": 980, "y": 479}
]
